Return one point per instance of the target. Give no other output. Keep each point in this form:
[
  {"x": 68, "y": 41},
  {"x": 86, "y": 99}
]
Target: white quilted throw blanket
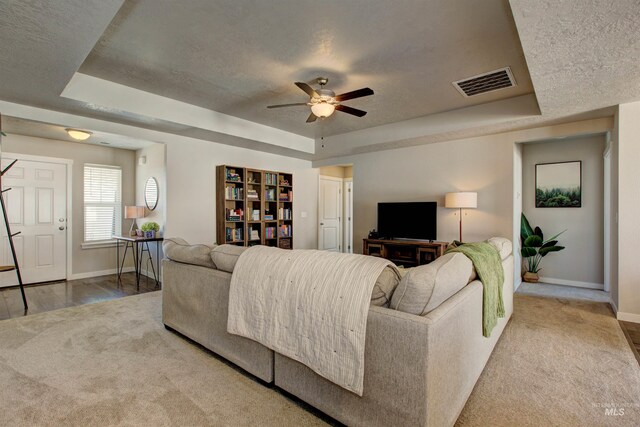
[{"x": 308, "y": 305}]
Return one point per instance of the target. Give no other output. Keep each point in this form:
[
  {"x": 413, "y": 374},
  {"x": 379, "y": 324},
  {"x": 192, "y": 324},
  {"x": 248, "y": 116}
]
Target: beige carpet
[{"x": 559, "y": 362}]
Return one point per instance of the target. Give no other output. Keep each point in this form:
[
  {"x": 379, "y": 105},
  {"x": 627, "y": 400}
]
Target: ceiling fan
[{"x": 324, "y": 102}]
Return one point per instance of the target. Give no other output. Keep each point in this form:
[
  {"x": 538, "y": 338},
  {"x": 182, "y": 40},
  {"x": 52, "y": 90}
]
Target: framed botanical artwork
[{"x": 559, "y": 185}]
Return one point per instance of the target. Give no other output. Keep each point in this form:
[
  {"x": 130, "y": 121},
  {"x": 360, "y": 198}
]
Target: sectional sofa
[{"x": 420, "y": 365}]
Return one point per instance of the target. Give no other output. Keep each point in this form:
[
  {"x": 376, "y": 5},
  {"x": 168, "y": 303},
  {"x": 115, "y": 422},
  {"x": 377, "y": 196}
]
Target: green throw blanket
[{"x": 486, "y": 260}]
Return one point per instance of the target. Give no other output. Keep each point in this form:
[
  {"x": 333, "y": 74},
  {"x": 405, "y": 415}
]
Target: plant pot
[
  {"x": 150, "y": 234},
  {"x": 531, "y": 277}
]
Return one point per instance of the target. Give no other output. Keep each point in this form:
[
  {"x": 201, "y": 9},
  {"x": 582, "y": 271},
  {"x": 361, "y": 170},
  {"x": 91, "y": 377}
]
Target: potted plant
[
  {"x": 534, "y": 248},
  {"x": 150, "y": 229}
]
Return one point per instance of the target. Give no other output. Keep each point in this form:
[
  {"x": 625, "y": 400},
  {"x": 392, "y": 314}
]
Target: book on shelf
[
  {"x": 255, "y": 235},
  {"x": 270, "y": 195},
  {"x": 234, "y": 234},
  {"x": 284, "y": 213},
  {"x": 285, "y": 230},
  {"x": 285, "y": 196},
  {"x": 270, "y": 232},
  {"x": 270, "y": 178},
  {"x": 252, "y": 194},
  {"x": 255, "y": 215},
  {"x": 235, "y": 193},
  {"x": 235, "y": 214},
  {"x": 268, "y": 217}
]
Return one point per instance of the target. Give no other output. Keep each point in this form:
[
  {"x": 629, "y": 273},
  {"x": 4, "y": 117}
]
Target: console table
[
  {"x": 409, "y": 253},
  {"x": 138, "y": 249}
]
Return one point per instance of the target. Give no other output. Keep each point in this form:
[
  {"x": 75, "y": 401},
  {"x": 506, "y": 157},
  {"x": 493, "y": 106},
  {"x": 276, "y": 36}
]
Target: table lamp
[
  {"x": 133, "y": 212},
  {"x": 461, "y": 200}
]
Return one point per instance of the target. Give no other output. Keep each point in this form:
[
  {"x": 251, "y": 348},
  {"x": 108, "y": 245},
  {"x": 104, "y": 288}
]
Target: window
[{"x": 102, "y": 202}]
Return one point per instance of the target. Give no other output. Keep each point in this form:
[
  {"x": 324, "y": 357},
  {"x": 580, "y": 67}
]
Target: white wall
[
  {"x": 84, "y": 261},
  {"x": 191, "y": 189},
  {"x": 484, "y": 164},
  {"x": 629, "y": 211},
  {"x": 582, "y": 262}
]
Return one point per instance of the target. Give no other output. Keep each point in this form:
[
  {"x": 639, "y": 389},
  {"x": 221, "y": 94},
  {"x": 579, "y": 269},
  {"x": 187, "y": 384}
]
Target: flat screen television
[{"x": 408, "y": 220}]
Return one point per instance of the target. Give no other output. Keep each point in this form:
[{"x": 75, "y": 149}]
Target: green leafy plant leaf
[
  {"x": 525, "y": 228},
  {"x": 528, "y": 252},
  {"x": 534, "y": 241},
  {"x": 538, "y": 232},
  {"x": 149, "y": 226},
  {"x": 549, "y": 243},
  {"x": 2, "y": 133},
  {"x": 545, "y": 251}
]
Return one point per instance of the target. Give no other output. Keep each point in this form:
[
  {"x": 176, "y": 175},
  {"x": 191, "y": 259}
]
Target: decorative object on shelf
[
  {"x": 133, "y": 212},
  {"x": 461, "y": 200},
  {"x": 150, "y": 229},
  {"x": 151, "y": 193},
  {"x": 559, "y": 185},
  {"x": 534, "y": 248}
]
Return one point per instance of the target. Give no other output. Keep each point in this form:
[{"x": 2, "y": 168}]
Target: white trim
[
  {"x": 101, "y": 244},
  {"x": 517, "y": 283},
  {"x": 99, "y": 273},
  {"x": 613, "y": 305},
  {"x": 628, "y": 317},
  {"x": 347, "y": 224},
  {"x": 69, "y": 177},
  {"x": 574, "y": 283}
]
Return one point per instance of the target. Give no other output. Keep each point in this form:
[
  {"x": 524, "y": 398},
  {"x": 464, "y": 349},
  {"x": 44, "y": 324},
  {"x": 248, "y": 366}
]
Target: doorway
[
  {"x": 335, "y": 209},
  {"x": 37, "y": 206}
]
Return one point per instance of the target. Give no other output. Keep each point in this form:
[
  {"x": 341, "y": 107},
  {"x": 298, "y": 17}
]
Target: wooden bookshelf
[{"x": 265, "y": 199}]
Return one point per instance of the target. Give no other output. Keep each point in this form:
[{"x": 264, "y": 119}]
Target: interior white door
[
  {"x": 330, "y": 207},
  {"x": 348, "y": 217},
  {"x": 37, "y": 208}
]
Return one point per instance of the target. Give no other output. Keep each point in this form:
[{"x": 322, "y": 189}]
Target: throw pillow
[
  {"x": 180, "y": 250},
  {"x": 226, "y": 256},
  {"x": 425, "y": 287},
  {"x": 384, "y": 287}
]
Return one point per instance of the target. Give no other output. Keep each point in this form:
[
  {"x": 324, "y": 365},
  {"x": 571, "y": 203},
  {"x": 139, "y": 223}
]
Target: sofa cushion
[
  {"x": 384, "y": 287},
  {"x": 226, "y": 256},
  {"x": 180, "y": 250},
  {"x": 503, "y": 246},
  {"x": 425, "y": 287}
]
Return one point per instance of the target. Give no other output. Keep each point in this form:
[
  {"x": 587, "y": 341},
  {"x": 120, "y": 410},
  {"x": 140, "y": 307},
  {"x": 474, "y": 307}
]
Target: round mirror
[{"x": 151, "y": 193}]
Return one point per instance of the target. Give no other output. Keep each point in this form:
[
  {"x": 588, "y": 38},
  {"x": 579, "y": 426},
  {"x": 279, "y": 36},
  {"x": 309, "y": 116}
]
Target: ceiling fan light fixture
[
  {"x": 323, "y": 109},
  {"x": 79, "y": 135}
]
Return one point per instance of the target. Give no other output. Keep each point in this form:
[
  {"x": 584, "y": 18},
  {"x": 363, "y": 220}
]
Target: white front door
[
  {"x": 37, "y": 208},
  {"x": 330, "y": 206}
]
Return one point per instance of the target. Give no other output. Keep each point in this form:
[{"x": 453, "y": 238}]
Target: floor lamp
[
  {"x": 133, "y": 212},
  {"x": 461, "y": 200}
]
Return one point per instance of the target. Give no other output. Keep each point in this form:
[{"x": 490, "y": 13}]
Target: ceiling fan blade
[
  {"x": 308, "y": 89},
  {"x": 354, "y": 94},
  {"x": 286, "y": 105},
  {"x": 312, "y": 118},
  {"x": 350, "y": 110}
]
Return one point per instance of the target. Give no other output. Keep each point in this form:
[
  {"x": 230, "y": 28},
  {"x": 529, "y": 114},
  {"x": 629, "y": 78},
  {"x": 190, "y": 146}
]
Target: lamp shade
[
  {"x": 132, "y": 212},
  {"x": 323, "y": 109},
  {"x": 461, "y": 199}
]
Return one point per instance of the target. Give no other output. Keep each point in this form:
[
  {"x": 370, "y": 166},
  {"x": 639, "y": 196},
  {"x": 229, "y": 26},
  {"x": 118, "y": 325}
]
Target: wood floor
[
  {"x": 52, "y": 296},
  {"x": 632, "y": 331}
]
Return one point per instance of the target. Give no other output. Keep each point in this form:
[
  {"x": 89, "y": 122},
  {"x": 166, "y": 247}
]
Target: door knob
[
  {"x": 61, "y": 220},
  {"x": 322, "y": 223},
  {"x": 61, "y": 227}
]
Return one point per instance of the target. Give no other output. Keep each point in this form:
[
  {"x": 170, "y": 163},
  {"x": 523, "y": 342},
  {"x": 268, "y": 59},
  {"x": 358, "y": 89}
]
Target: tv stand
[{"x": 409, "y": 253}]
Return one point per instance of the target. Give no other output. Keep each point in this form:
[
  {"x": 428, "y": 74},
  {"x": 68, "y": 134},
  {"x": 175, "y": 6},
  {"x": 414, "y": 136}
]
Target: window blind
[{"x": 102, "y": 202}]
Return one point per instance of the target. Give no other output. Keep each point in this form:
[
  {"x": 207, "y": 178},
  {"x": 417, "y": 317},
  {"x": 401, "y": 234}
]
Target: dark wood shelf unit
[
  {"x": 268, "y": 185},
  {"x": 409, "y": 253}
]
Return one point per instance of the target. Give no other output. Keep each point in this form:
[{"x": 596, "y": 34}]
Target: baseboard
[
  {"x": 574, "y": 283},
  {"x": 517, "y": 284},
  {"x": 613, "y": 305},
  {"x": 90, "y": 274},
  {"x": 628, "y": 317}
]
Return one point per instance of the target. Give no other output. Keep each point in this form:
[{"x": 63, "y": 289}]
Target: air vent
[{"x": 487, "y": 82}]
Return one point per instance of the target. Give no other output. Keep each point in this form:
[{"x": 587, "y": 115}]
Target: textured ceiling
[{"x": 238, "y": 56}]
